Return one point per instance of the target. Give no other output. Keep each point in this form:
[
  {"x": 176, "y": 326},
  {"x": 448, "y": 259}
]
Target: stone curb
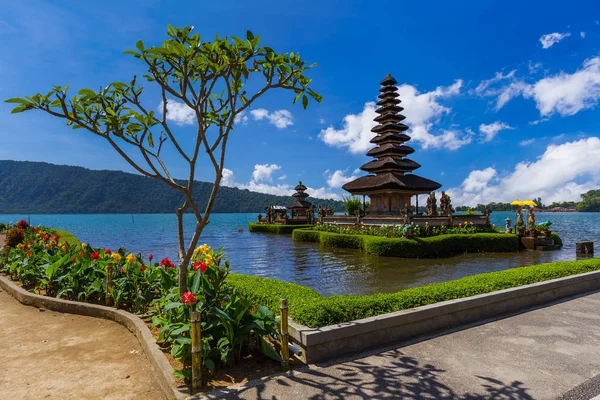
[
  {"x": 329, "y": 342},
  {"x": 163, "y": 370}
]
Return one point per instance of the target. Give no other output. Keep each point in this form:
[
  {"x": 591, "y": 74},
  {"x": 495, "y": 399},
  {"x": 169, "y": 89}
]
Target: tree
[{"x": 208, "y": 77}]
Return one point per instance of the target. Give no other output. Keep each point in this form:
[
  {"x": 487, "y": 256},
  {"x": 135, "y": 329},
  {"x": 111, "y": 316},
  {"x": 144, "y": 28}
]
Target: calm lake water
[{"x": 329, "y": 271}]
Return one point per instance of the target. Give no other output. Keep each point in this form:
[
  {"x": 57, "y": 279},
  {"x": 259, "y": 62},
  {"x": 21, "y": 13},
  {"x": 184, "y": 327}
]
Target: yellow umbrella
[
  {"x": 517, "y": 203},
  {"x": 529, "y": 203}
]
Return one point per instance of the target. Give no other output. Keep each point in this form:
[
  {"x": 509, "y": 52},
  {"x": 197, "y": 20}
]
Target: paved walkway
[
  {"x": 541, "y": 354},
  {"x": 50, "y": 355}
]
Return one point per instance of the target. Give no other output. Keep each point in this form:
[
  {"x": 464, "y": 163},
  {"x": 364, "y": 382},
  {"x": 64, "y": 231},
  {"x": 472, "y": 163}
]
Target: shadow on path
[{"x": 398, "y": 376}]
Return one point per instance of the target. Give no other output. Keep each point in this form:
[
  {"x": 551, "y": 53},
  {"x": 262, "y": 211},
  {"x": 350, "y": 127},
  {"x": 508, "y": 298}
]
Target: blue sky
[{"x": 501, "y": 97}]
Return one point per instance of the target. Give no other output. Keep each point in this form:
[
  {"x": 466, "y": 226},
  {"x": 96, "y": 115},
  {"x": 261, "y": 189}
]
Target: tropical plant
[
  {"x": 213, "y": 79},
  {"x": 352, "y": 204}
]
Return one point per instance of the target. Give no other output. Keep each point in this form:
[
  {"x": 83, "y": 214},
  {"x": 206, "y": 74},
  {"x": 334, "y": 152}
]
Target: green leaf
[
  {"x": 17, "y": 101},
  {"x": 171, "y": 306},
  {"x": 87, "y": 93},
  {"x": 268, "y": 350},
  {"x": 304, "y": 102},
  {"x": 150, "y": 140},
  {"x": 140, "y": 45},
  {"x": 249, "y": 35},
  {"x": 265, "y": 311},
  {"x": 209, "y": 364},
  {"x": 196, "y": 281},
  {"x": 56, "y": 265}
]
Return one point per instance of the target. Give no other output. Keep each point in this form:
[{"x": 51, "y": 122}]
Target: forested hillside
[{"x": 42, "y": 188}]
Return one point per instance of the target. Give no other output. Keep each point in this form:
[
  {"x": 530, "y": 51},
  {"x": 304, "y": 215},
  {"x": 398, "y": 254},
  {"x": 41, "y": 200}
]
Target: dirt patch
[{"x": 50, "y": 355}]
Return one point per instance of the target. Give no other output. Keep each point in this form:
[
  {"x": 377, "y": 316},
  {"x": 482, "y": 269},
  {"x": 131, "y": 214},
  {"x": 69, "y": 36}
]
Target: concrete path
[
  {"x": 49, "y": 355},
  {"x": 545, "y": 353}
]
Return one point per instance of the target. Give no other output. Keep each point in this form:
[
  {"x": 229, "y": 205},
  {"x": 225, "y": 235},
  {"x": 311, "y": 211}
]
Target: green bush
[
  {"x": 307, "y": 307},
  {"x": 306, "y": 235},
  {"x": 430, "y": 247},
  {"x": 557, "y": 239},
  {"x": 274, "y": 228},
  {"x": 66, "y": 237}
]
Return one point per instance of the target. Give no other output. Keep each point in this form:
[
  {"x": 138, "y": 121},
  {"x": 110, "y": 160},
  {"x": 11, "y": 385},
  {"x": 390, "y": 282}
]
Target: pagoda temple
[
  {"x": 391, "y": 183},
  {"x": 301, "y": 210}
]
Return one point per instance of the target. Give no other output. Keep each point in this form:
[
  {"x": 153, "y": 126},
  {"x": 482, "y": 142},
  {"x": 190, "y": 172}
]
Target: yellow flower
[
  {"x": 83, "y": 245},
  {"x": 471, "y": 223},
  {"x": 116, "y": 257},
  {"x": 210, "y": 260},
  {"x": 204, "y": 250},
  {"x": 466, "y": 223},
  {"x": 131, "y": 258}
]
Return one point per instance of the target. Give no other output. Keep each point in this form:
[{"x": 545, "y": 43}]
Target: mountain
[{"x": 42, "y": 188}]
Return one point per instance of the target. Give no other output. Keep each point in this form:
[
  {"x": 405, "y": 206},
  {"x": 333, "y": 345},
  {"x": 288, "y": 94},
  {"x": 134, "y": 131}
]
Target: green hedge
[
  {"x": 66, "y": 236},
  {"x": 274, "y": 228},
  {"x": 431, "y": 247},
  {"x": 307, "y": 307},
  {"x": 557, "y": 239}
]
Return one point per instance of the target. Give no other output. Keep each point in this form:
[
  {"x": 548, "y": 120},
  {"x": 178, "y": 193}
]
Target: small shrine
[
  {"x": 390, "y": 184},
  {"x": 301, "y": 211}
]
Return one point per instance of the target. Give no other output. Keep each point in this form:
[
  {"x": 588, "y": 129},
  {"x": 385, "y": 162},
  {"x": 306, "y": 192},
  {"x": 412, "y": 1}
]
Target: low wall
[
  {"x": 339, "y": 340},
  {"x": 163, "y": 370},
  {"x": 420, "y": 220}
]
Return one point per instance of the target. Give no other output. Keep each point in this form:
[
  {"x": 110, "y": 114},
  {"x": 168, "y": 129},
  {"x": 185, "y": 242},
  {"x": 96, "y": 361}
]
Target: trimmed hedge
[
  {"x": 430, "y": 247},
  {"x": 307, "y": 307},
  {"x": 274, "y": 228},
  {"x": 66, "y": 236}
]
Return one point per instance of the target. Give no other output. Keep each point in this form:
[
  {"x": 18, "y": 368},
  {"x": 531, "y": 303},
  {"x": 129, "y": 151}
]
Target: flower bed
[
  {"x": 309, "y": 308},
  {"x": 57, "y": 265},
  {"x": 275, "y": 228},
  {"x": 397, "y": 231},
  {"x": 428, "y": 247}
]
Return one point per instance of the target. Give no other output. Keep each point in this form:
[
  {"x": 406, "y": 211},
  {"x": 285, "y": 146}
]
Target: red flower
[
  {"x": 95, "y": 256},
  {"x": 28, "y": 252},
  {"x": 81, "y": 254},
  {"x": 34, "y": 229},
  {"x": 123, "y": 270},
  {"x": 74, "y": 259},
  {"x": 150, "y": 257},
  {"x": 188, "y": 298},
  {"x": 167, "y": 263},
  {"x": 200, "y": 266},
  {"x": 107, "y": 251},
  {"x": 46, "y": 237},
  {"x": 31, "y": 242},
  {"x": 142, "y": 268},
  {"x": 56, "y": 238}
]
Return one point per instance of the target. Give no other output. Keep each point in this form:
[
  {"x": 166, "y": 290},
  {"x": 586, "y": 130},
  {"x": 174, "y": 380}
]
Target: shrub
[
  {"x": 275, "y": 228},
  {"x": 557, "y": 239},
  {"x": 429, "y": 247},
  {"x": 352, "y": 204},
  {"x": 3, "y": 227},
  {"x": 306, "y": 235},
  {"x": 309, "y": 308},
  {"x": 14, "y": 237}
]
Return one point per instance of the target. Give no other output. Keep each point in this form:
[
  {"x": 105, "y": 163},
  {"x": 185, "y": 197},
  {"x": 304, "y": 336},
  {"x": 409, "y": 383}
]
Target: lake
[{"x": 329, "y": 271}]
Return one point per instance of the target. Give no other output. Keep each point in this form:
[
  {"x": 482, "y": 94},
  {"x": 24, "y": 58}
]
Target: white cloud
[
  {"x": 422, "y": 111},
  {"x": 178, "y": 112},
  {"x": 483, "y": 88},
  {"x": 227, "y": 179},
  {"x": 282, "y": 177},
  {"x": 568, "y": 94},
  {"x": 561, "y": 173},
  {"x": 338, "y": 178},
  {"x": 241, "y": 118},
  {"x": 526, "y": 142},
  {"x": 551, "y": 39},
  {"x": 280, "y": 118},
  {"x": 280, "y": 189},
  {"x": 322, "y": 121},
  {"x": 582, "y": 34},
  {"x": 264, "y": 172},
  {"x": 490, "y": 131},
  {"x": 562, "y": 93}
]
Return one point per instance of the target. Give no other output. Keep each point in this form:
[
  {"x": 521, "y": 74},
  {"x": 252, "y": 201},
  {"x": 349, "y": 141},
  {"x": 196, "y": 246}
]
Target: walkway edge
[
  {"x": 334, "y": 341},
  {"x": 163, "y": 370}
]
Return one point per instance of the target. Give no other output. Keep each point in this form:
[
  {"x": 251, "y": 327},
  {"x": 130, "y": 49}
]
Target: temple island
[{"x": 393, "y": 190}]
